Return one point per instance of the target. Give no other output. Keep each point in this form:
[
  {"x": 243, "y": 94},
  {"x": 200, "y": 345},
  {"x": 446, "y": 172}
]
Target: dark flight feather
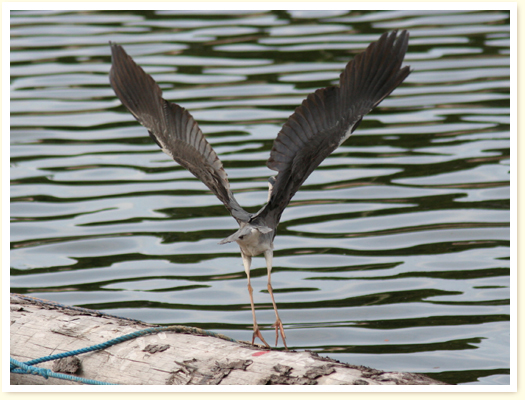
[
  {"x": 171, "y": 127},
  {"x": 327, "y": 117}
]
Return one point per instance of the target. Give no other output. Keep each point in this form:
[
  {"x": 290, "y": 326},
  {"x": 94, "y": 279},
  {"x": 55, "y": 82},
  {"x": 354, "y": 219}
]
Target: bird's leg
[
  {"x": 268, "y": 255},
  {"x": 247, "y": 261}
]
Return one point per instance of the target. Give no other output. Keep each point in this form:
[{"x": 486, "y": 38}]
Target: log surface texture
[{"x": 167, "y": 358}]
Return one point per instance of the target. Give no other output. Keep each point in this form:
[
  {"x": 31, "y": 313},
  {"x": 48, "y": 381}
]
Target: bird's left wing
[{"x": 171, "y": 126}]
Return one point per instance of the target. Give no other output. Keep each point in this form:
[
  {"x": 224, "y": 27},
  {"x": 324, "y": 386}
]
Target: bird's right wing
[
  {"x": 171, "y": 126},
  {"x": 327, "y": 117}
]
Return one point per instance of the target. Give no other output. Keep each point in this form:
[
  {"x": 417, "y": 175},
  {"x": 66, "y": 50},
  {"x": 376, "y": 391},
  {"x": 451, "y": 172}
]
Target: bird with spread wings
[{"x": 324, "y": 120}]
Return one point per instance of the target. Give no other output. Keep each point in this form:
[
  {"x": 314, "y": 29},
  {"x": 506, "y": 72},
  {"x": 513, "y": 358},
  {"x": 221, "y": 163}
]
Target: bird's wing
[
  {"x": 171, "y": 126},
  {"x": 327, "y": 117}
]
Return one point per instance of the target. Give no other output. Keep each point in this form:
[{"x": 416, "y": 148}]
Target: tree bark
[{"x": 41, "y": 328}]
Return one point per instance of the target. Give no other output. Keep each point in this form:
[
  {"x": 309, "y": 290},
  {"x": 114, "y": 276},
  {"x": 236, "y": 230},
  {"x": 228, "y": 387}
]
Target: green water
[{"x": 395, "y": 254}]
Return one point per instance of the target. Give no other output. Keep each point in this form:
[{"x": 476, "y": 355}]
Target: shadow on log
[{"x": 41, "y": 328}]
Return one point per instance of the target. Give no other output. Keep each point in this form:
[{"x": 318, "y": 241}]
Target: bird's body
[{"x": 324, "y": 120}]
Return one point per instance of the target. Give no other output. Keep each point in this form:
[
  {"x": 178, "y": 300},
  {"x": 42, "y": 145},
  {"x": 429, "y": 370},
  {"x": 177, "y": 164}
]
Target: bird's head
[{"x": 246, "y": 234}]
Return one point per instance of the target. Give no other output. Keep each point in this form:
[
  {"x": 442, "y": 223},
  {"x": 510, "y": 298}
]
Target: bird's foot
[
  {"x": 257, "y": 333},
  {"x": 279, "y": 327}
]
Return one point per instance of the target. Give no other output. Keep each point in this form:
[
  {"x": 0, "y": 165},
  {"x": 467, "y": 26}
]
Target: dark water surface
[{"x": 395, "y": 254}]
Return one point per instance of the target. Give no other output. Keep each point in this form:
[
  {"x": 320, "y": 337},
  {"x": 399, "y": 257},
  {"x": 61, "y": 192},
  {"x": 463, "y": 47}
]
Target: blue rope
[
  {"x": 47, "y": 373},
  {"x": 18, "y": 367}
]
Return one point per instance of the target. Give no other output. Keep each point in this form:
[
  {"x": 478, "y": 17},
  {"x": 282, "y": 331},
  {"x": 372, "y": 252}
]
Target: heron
[{"x": 324, "y": 120}]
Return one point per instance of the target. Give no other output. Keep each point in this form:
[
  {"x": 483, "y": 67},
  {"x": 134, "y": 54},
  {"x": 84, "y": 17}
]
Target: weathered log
[{"x": 41, "y": 328}]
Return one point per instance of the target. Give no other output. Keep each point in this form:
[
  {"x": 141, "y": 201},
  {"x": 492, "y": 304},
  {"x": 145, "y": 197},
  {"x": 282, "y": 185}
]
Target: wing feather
[
  {"x": 171, "y": 127},
  {"x": 327, "y": 117}
]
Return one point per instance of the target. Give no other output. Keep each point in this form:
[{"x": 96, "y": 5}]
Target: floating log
[{"x": 41, "y": 328}]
